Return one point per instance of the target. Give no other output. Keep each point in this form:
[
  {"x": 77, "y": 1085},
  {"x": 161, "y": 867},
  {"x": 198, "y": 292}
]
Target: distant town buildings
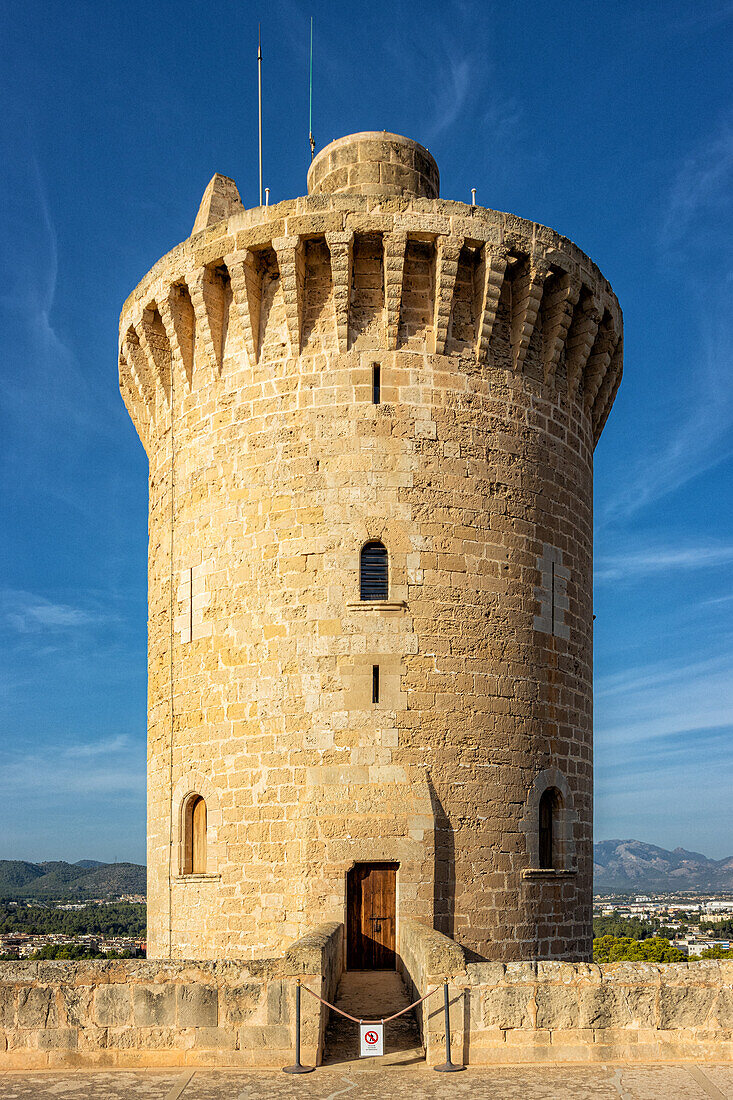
[{"x": 681, "y": 918}]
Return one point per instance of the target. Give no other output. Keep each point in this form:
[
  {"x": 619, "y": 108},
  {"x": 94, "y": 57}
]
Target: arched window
[
  {"x": 373, "y": 571},
  {"x": 194, "y": 854},
  {"x": 548, "y": 813}
]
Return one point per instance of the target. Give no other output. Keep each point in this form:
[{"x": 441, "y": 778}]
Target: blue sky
[{"x": 611, "y": 122}]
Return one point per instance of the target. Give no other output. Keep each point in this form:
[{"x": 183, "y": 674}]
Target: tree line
[{"x": 122, "y": 918}]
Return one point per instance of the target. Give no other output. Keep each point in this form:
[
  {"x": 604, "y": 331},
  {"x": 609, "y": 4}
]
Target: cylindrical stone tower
[{"x": 370, "y": 366}]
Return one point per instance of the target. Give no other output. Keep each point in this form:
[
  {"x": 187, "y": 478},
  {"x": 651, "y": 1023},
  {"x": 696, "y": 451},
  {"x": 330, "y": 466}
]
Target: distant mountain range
[
  {"x": 630, "y": 866},
  {"x": 77, "y": 881},
  {"x": 620, "y": 866}
]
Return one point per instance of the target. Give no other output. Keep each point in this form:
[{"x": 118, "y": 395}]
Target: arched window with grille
[
  {"x": 548, "y": 813},
  {"x": 194, "y": 846},
  {"x": 373, "y": 573}
]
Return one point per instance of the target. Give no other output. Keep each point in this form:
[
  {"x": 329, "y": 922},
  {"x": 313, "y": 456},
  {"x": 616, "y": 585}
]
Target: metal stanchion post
[
  {"x": 298, "y": 1067},
  {"x": 448, "y": 1066}
]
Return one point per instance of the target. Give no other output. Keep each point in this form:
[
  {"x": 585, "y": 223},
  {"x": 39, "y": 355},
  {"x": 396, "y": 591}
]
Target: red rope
[{"x": 357, "y": 1021}]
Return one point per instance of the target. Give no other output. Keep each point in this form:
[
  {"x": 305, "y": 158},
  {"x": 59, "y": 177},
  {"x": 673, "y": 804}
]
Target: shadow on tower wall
[{"x": 444, "y": 875}]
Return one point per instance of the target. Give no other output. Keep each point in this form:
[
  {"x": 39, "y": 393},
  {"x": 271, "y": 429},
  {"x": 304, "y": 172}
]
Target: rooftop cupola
[{"x": 374, "y": 163}]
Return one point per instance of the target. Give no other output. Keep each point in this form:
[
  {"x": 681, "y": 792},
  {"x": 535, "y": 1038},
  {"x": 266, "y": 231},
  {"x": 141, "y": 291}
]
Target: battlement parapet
[{"x": 478, "y": 261}]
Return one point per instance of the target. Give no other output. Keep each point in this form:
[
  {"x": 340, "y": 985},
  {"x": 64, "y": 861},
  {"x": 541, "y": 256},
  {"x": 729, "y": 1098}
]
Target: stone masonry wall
[
  {"x": 137, "y": 1013},
  {"x": 568, "y": 1012},
  {"x": 246, "y": 361}
]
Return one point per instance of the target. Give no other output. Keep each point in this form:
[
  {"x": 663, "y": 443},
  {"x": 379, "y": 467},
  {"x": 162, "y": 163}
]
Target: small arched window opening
[
  {"x": 194, "y": 851},
  {"x": 373, "y": 571},
  {"x": 548, "y": 830}
]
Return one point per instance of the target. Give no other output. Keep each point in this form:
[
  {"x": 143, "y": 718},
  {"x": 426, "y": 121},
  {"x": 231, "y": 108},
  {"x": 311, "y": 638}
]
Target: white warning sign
[{"x": 372, "y": 1040}]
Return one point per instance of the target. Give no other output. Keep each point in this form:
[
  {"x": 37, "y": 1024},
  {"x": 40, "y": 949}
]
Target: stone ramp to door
[{"x": 372, "y": 995}]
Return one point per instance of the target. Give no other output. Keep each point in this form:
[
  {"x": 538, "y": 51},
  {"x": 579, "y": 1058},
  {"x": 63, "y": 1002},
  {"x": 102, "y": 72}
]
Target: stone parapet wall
[
  {"x": 568, "y": 1012},
  {"x": 152, "y": 1013}
]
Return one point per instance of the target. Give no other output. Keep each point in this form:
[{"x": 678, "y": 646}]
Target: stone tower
[{"x": 370, "y": 370}]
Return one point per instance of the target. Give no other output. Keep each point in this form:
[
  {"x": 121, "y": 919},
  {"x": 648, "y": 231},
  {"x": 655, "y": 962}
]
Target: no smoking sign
[{"x": 372, "y": 1040}]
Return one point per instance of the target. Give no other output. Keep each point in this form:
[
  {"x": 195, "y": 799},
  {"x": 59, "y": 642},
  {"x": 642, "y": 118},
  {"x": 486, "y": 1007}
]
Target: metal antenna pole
[
  {"x": 259, "y": 95},
  {"x": 311, "y": 139},
  {"x": 310, "y": 136}
]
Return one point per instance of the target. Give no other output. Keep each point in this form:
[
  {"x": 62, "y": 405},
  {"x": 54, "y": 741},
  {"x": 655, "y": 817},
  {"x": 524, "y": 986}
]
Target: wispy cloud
[
  {"x": 49, "y": 403},
  {"x": 643, "y": 563},
  {"x": 105, "y": 747},
  {"x": 27, "y": 613},
  {"x": 717, "y": 601},
  {"x": 462, "y": 88},
  {"x": 696, "y": 246},
  {"x": 638, "y": 705},
  {"x": 50, "y": 774},
  {"x": 701, "y": 189}
]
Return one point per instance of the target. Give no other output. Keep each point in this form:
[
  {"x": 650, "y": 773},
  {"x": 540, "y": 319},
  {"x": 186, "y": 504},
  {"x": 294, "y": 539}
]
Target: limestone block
[
  {"x": 92, "y": 1038},
  {"x": 112, "y": 1005},
  {"x": 606, "y": 1007},
  {"x": 134, "y": 1040},
  {"x": 37, "y": 1007},
  {"x": 76, "y": 1001},
  {"x": 58, "y": 1038},
  {"x": 8, "y": 1001},
  {"x": 215, "y": 1038},
  {"x": 154, "y": 1005},
  {"x": 238, "y": 1003},
  {"x": 265, "y": 1038},
  {"x": 197, "y": 1005},
  {"x": 724, "y": 1006},
  {"x": 557, "y": 1007},
  {"x": 685, "y": 1006},
  {"x": 507, "y": 1008},
  {"x": 18, "y": 1039}
]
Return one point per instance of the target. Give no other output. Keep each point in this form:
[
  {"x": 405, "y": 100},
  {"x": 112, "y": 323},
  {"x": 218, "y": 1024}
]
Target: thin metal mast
[
  {"x": 311, "y": 139},
  {"x": 259, "y": 91}
]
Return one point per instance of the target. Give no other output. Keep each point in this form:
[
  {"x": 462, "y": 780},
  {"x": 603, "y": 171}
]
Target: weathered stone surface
[
  {"x": 8, "y": 1002},
  {"x": 507, "y": 1008},
  {"x": 59, "y": 1038},
  {"x": 112, "y": 1005},
  {"x": 154, "y": 1005},
  {"x": 219, "y": 201},
  {"x": 557, "y": 1007},
  {"x": 682, "y": 1006},
  {"x": 239, "y": 1002},
  {"x": 77, "y": 1002},
  {"x": 198, "y": 1006},
  {"x": 37, "y": 1007},
  {"x": 218, "y": 1038},
  {"x": 278, "y": 994},
  {"x": 258, "y": 1038},
  {"x": 724, "y": 1006}
]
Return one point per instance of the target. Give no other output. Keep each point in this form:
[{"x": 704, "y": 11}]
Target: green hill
[
  {"x": 53, "y": 880},
  {"x": 16, "y": 874}
]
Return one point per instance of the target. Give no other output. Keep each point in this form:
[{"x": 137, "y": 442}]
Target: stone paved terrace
[{"x": 688, "y": 1082}]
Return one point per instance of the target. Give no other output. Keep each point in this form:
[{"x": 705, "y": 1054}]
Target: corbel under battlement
[{"x": 423, "y": 276}]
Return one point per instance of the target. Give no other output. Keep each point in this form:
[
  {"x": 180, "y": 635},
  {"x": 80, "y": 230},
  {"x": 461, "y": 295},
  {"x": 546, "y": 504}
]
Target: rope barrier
[{"x": 385, "y": 1020}]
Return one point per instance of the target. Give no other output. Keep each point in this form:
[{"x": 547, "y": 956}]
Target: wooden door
[{"x": 371, "y": 916}]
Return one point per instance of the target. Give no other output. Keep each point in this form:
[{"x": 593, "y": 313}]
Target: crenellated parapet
[{"x": 446, "y": 276}]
